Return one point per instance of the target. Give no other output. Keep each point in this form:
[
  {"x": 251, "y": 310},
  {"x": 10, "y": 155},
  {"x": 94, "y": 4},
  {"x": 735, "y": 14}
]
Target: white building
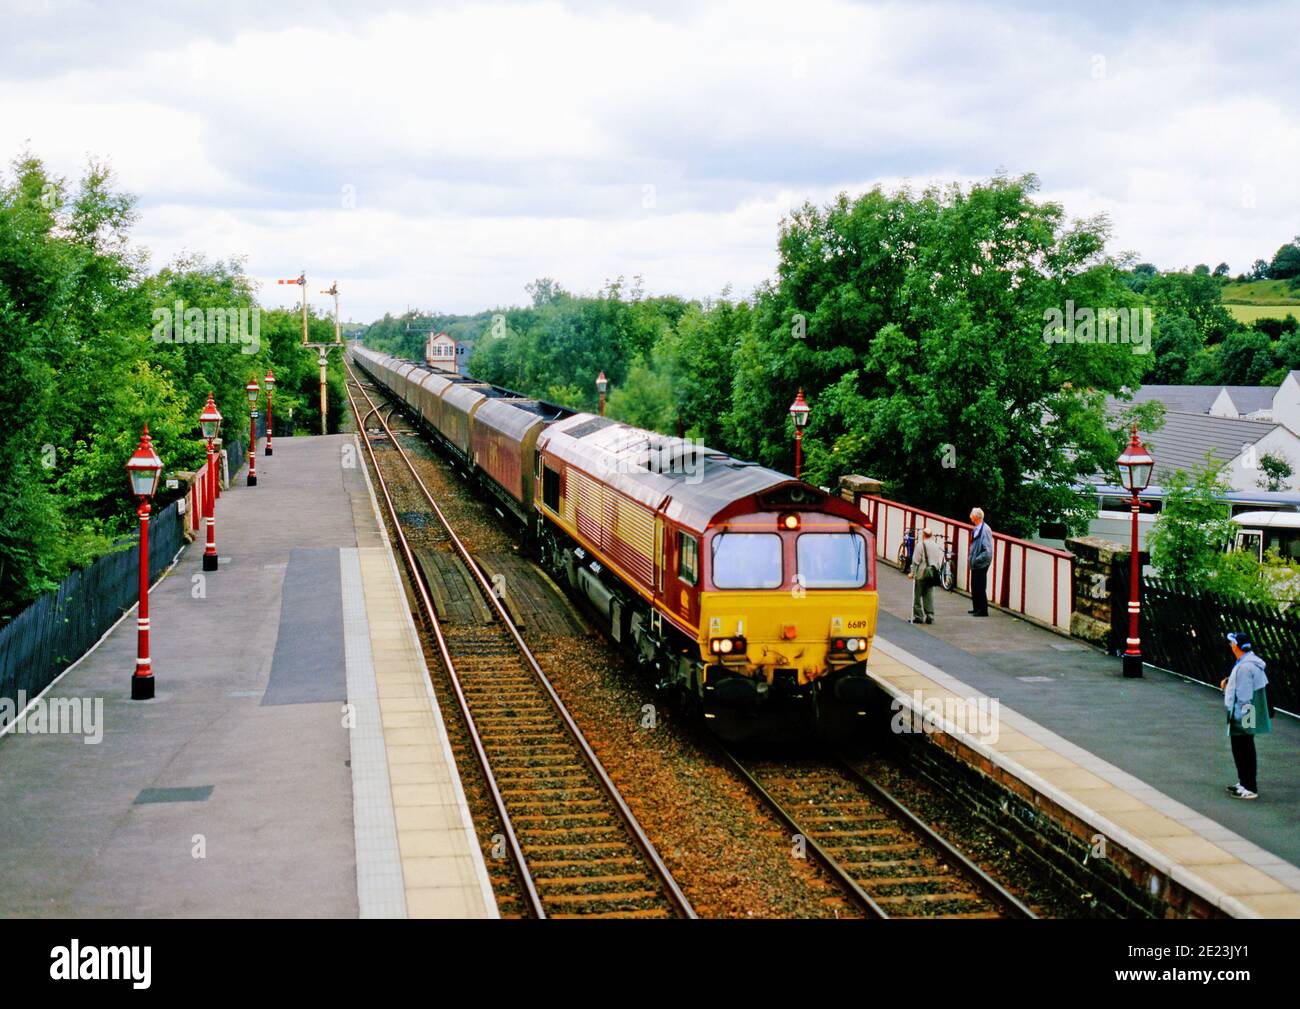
[{"x": 440, "y": 352}]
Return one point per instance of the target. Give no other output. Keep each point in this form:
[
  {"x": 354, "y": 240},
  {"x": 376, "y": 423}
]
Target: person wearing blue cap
[{"x": 1247, "y": 702}]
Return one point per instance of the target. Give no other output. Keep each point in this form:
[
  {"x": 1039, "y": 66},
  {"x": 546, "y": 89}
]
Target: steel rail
[
  {"x": 991, "y": 889},
  {"x": 828, "y": 861},
  {"x": 994, "y": 890},
  {"x": 675, "y": 894},
  {"x": 531, "y": 894}
]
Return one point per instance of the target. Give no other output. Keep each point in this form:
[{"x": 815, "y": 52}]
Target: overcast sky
[{"x": 443, "y": 155}]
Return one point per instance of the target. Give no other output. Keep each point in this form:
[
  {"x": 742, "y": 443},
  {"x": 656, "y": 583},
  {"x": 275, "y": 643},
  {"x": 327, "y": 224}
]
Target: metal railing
[{"x": 1025, "y": 578}]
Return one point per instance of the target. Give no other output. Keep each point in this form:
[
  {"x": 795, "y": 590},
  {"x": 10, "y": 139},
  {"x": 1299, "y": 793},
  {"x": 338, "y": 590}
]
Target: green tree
[
  {"x": 1174, "y": 346},
  {"x": 1286, "y": 261},
  {"x": 1244, "y": 358},
  {"x": 915, "y": 325},
  {"x": 1193, "y": 526},
  {"x": 1197, "y": 296},
  {"x": 1274, "y": 471},
  {"x": 645, "y": 399}
]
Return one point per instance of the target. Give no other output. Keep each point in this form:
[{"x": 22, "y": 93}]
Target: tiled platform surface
[
  {"x": 323, "y": 787},
  {"x": 1108, "y": 750}
]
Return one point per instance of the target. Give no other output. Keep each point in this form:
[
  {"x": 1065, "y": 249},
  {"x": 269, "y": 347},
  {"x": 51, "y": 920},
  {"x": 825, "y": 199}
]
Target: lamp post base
[
  {"x": 252, "y": 481},
  {"x": 209, "y": 562},
  {"x": 1132, "y": 666},
  {"x": 268, "y": 451},
  {"x": 142, "y": 688}
]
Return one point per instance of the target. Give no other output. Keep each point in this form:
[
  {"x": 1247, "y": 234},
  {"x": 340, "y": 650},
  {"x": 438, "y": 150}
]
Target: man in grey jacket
[{"x": 980, "y": 557}]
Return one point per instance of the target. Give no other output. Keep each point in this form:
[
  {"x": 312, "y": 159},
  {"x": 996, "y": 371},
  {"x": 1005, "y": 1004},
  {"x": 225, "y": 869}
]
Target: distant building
[
  {"x": 1240, "y": 423},
  {"x": 440, "y": 352}
]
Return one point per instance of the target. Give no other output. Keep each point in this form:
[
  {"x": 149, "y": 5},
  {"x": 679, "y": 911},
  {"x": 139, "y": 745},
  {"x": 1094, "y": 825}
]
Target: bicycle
[
  {"x": 905, "y": 550},
  {"x": 948, "y": 569}
]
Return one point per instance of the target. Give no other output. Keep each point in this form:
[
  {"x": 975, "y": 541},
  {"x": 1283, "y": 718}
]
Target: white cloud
[{"x": 487, "y": 145}]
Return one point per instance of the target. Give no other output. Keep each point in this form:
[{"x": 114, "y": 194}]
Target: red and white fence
[
  {"x": 194, "y": 504},
  {"x": 1026, "y": 578}
]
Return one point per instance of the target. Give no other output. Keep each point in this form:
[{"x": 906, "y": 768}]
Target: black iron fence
[
  {"x": 237, "y": 454},
  {"x": 62, "y": 625},
  {"x": 1184, "y": 630}
]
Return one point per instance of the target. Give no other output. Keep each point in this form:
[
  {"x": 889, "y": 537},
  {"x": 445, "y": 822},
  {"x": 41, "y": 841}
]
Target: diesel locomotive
[{"x": 746, "y": 595}]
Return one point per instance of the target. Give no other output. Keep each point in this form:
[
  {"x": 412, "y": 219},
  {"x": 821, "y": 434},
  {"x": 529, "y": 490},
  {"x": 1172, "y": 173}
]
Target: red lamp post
[
  {"x": 602, "y": 384},
  {"x": 269, "y": 382},
  {"x": 1135, "y": 465},
  {"x": 799, "y": 411},
  {"x": 210, "y": 424},
  {"x": 252, "y": 390},
  {"x": 144, "y": 468}
]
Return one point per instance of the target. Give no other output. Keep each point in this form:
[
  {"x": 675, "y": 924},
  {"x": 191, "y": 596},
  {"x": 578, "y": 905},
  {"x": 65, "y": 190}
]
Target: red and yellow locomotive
[{"x": 749, "y": 595}]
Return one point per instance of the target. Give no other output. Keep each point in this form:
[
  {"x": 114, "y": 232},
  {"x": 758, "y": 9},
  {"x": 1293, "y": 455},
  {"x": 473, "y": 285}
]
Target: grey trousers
[{"x": 922, "y": 599}]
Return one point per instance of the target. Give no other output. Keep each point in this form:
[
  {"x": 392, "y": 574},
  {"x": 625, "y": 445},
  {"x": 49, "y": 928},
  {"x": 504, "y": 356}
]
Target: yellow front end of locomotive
[{"x": 805, "y": 633}]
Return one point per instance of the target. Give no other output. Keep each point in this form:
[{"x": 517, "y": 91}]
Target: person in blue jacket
[
  {"x": 1246, "y": 699},
  {"x": 979, "y": 558}
]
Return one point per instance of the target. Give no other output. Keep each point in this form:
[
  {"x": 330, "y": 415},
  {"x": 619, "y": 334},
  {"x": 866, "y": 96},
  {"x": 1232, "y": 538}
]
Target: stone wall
[{"x": 1101, "y": 584}]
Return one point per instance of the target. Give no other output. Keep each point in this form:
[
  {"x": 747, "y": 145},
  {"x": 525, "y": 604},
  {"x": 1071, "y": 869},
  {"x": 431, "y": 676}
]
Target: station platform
[
  {"x": 294, "y": 762},
  {"x": 1143, "y": 761}
]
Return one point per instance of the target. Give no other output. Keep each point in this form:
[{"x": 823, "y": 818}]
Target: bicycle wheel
[
  {"x": 903, "y": 557},
  {"x": 948, "y": 576}
]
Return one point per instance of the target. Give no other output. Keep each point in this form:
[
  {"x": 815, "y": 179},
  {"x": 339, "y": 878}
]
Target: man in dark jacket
[{"x": 981, "y": 556}]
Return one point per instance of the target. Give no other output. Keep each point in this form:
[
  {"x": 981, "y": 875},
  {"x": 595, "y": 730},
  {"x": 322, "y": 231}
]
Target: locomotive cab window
[
  {"x": 746, "y": 561},
  {"x": 551, "y": 489},
  {"x": 832, "y": 560},
  {"x": 688, "y": 562}
]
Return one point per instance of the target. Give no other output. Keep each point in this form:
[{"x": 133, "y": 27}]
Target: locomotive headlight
[
  {"x": 853, "y": 645},
  {"x": 724, "y": 646}
]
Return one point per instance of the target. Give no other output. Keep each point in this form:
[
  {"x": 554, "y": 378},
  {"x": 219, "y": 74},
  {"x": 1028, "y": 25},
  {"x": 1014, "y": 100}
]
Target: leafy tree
[
  {"x": 1245, "y": 358},
  {"x": 1138, "y": 277},
  {"x": 1197, "y": 296},
  {"x": 1286, "y": 261},
  {"x": 1259, "y": 270},
  {"x": 1174, "y": 346},
  {"x": 700, "y": 355},
  {"x": 646, "y": 398},
  {"x": 1287, "y": 353},
  {"x": 1274, "y": 471},
  {"x": 1194, "y": 524},
  {"x": 1221, "y": 270},
  {"x": 922, "y": 321},
  {"x": 88, "y": 361}
]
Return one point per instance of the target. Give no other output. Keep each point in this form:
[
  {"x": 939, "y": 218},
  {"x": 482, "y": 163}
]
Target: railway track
[
  {"x": 887, "y": 858},
  {"x": 575, "y": 847}
]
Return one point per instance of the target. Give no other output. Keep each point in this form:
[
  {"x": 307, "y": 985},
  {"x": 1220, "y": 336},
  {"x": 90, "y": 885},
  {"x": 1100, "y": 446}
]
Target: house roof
[
  {"x": 1249, "y": 398},
  {"x": 1186, "y": 438},
  {"x": 1185, "y": 398},
  {"x": 1199, "y": 398}
]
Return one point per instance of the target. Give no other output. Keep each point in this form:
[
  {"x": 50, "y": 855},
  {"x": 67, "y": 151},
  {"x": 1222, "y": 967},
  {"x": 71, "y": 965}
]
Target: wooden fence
[{"x": 1185, "y": 630}]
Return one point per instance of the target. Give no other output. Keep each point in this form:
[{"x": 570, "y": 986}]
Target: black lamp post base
[
  {"x": 142, "y": 688},
  {"x": 209, "y": 562},
  {"x": 268, "y": 451},
  {"x": 1132, "y": 667},
  {"x": 252, "y": 481}
]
